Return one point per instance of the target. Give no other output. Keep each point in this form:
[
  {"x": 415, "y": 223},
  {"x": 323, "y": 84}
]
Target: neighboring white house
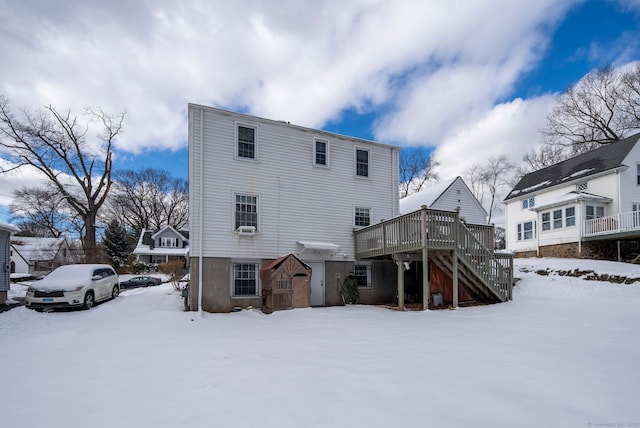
[
  {"x": 260, "y": 189},
  {"x": 37, "y": 256},
  {"x": 5, "y": 258},
  {"x": 450, "y": 195},
  {"x": 586, "y": 206},
  {"x": 162, "y": 245}
]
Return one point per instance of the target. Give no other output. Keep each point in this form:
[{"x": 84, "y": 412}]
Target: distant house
[
  {"x": 37, "y": 256},
  {"x": 5, "y": 258},
  {"x": 167, "y": 243},
  {"x": 586, "y": 206},
  {"x": 450, "y": 195}
]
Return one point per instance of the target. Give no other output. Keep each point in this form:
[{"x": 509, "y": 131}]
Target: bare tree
[
  {"x": 149, "y": 199},
  {"x": 57, "y": 145},
  {"x": 490, "y": 177},
  {"x": 602, "y": 108},
  {"x": 41, "y": 208},
  {"x": 416, "y": 169},
  {"x": 496, "y": 174}
]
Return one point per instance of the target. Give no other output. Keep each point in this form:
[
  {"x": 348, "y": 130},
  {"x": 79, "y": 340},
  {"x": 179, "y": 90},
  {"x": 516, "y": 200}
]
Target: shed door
[{"x": 317, "y": 283}]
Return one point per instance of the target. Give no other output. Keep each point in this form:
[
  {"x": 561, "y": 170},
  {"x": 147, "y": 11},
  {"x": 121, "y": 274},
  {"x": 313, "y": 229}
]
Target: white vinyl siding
[{"x": 297, "y": 201}]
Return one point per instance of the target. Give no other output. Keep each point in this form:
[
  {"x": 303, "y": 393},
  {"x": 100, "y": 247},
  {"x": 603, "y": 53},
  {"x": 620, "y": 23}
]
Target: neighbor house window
[
  {"x": 528, "y": 203},
  {"x": 321, "y": 152},
  {"x": 168, "y": 242},
  {"x": 570, "y": 216},
  {"x": 582, "y": 187},
  {"x": 245, "y": 279},
  {"x": 362, "y": 162},
  {"x": 362, "y": 216},
  {"x": 557, "y": 219},
  {"x": 526, "y": 230},
  {"x": 246, "y": 211},
  {"x": 246, "y": 147},
  {"x": 362, "y": 274},
  {"x": 594, "y": 211},
  {"x": 546, "y": 221}
]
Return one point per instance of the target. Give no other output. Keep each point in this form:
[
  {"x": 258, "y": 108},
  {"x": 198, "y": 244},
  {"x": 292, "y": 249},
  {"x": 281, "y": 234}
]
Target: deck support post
[
  {"x": 400, "y": 265},
  {"x": 455, "y": 278},
  {"x": 426, "y": 286}
]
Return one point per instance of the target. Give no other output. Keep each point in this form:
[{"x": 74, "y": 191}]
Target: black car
[{"x": 140, "y": 281}]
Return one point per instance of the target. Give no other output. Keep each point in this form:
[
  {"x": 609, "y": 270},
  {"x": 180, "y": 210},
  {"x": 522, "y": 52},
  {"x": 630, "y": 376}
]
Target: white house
[
  {"x": 162, "y": 245},
  {"x": 449, "y": 195},
  {"x": 586, "y": 206},
  {"x": 5, "y": 250},
  {"x": 260, "y": 189},
  {"x": 37, "y": 256}
]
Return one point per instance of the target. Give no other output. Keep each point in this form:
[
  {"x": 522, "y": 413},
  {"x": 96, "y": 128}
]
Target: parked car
[
  {"x": 79, "y": 285},
  {"x": 141, "y": 281}
]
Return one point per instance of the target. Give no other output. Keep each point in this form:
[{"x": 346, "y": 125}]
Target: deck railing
[
  {"x": 622, "y": 222},
  {"x": 441, "y": 230}
]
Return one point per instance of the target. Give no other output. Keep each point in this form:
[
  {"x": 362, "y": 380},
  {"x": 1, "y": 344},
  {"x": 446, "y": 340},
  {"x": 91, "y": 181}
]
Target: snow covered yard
[{"x": 565, "y": 352}]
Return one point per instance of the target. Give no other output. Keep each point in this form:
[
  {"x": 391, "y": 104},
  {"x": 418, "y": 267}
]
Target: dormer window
[{"x": 169, "y": 242}]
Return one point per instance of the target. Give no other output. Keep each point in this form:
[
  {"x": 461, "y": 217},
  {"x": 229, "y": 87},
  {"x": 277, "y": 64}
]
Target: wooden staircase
[{"x": 485, "y": 274}]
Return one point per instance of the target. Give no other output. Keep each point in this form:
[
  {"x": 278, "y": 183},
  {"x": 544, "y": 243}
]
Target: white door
[{"x": 317, "y": 283}]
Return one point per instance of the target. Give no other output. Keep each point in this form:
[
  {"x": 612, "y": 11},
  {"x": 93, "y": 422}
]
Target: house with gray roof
[
  {"x": 587, "y": 206},
  {"x": 37, "y": 256},
  {"x": 159, "y": 246}
]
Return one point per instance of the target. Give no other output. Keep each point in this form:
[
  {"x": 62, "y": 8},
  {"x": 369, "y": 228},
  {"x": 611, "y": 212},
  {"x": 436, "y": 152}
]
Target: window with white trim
[
  {"x": 594, "y": 211},
  {"x": 362, "y": 162},
  {"x": 528, "y": 203},
  {"x": 168, "y": 242},
  {"x": 246, "y": 142},
  {"x": 321, "y": 152},
  {"x": 581, "y": 187},
  {"x": 570, "y": 216},
  {"x": 246, "y": 211},
  {"x": 362, "y": 216},
  {"x": 362, "y": 274},
  {"x": 557, "y": 219},
  {"x": 526, "y": 230},
  {"x": 245, "y": 279},
  {"x": 546, "y": 221}
]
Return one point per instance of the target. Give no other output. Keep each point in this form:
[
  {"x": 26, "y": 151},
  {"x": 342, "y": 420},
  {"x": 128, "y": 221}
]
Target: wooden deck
[{"x": 470, "y": 247}]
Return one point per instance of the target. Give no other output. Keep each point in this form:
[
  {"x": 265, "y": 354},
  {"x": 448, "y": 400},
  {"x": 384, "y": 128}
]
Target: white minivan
[{"x": 68, "y": 286}]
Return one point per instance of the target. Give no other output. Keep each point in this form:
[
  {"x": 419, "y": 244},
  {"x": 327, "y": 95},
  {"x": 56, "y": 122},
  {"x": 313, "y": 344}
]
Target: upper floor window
[
  {"x": 321, "y": 152},
  {"x": 168, "y": 242},
  {"x": 246, "y": 144},
  {"x": 594, "y": 211},
  {"x": 528, "y": 203},
  {"x": 581, "y": 187},
  {"x": 362, "y": 162},
  {"x": 246, "y": 211},
  {"x": 362, "y": 216},
  {"x": 245, "y": 279}
]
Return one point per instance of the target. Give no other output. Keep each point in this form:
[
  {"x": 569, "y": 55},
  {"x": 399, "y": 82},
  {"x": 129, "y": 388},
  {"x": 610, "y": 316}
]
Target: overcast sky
[{"x": 469, "y": 79}]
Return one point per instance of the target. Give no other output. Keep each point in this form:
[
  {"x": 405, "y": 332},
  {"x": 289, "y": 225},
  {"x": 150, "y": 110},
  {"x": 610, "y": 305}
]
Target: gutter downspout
[{"x": 200, "y": 213}]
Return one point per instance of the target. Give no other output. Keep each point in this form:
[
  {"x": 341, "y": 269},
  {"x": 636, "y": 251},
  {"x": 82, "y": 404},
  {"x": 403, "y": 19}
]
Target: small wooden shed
[{"x": 286, "y": 284}]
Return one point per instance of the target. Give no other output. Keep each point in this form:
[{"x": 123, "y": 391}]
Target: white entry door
[{"x": 317, "y": 283}]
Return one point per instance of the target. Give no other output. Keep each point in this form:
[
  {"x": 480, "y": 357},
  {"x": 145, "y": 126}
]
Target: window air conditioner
[{"x": 246, "y": 230}]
